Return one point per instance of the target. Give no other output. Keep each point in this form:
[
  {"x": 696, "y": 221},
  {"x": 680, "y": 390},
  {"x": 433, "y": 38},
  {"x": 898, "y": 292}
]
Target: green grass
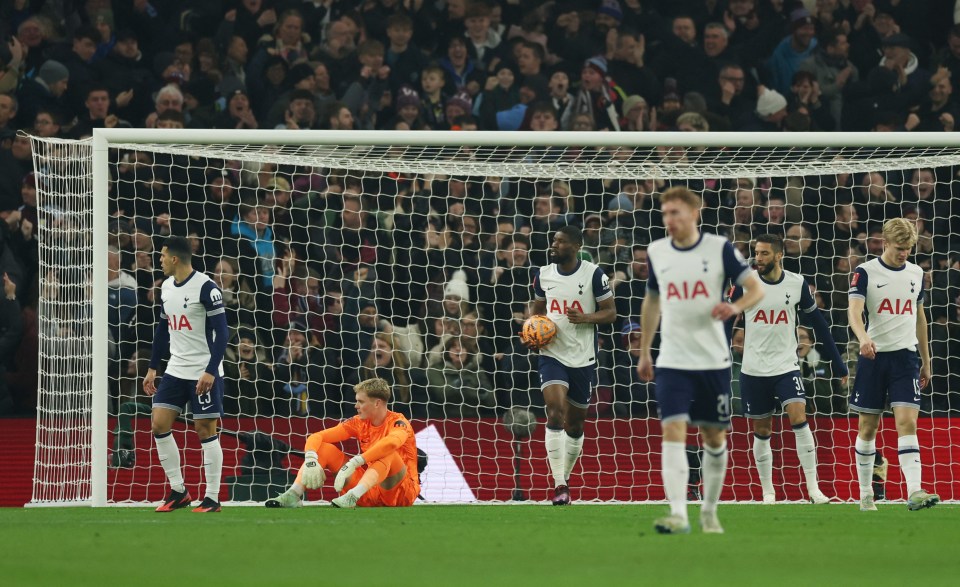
[{"x": 482, "y": 545}]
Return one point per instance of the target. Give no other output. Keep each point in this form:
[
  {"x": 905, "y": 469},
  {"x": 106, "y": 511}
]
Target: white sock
[
  {"x": 572, "y": 447},
  {"x": 714, "y": 469},
  {"x": 675, "y": 470},
  {"x": 763, "y": 457},
  {"x": 556, "y": 457},
  {"x": 908, "y": 449},
  {"x": 865, "y": 452},
  {"x": 298, "y": 488},
  {"x": 212, "y": 466},
  {"x": 358, "y": 490},
  {"x": 807, "y": 453},
  {"x": 169, "y": 454}
]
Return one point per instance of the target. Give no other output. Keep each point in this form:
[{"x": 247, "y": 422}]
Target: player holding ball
[{"x": 574, "y": 295}]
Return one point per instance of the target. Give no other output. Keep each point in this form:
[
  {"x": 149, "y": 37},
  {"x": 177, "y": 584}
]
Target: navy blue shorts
[
  {"x": 700, "y": 397},
  {"x": 174, "y": 394},
  {"x": 892, "y": 377},
  {"x": 760, "y": 394},
  {"x": 579, "y": 381}
]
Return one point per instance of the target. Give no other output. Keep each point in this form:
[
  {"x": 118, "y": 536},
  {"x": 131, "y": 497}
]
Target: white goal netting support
[{"x": 346, "y": 255}]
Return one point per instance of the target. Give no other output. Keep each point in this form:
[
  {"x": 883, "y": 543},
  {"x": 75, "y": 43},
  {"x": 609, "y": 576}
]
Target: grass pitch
[{"x": 478, "y": 545}]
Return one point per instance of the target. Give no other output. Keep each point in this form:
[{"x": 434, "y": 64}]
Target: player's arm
[
  {"x": 815, "y": 318},
  {"x": 649, "y": 322},
  {"x": 857, "y": 297},
  {"x": 735, "y": 293},
  {"x": 607, "y": 312},
  {"x": 217, "y": 335},
  {"x": 923, "y": 345},
  {"x": 735, "y": 268},
  {"x": 312, "y": 473},
  {"x": 539, "y": 297},
  {"x": 159, "y": 349}
]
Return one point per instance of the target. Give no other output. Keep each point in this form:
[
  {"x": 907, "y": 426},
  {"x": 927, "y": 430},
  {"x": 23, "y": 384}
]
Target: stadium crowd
[{"x": 332, "y": 277}]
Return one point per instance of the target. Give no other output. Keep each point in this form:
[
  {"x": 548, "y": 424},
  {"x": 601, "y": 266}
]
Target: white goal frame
[{"x": 104, "y": 139}]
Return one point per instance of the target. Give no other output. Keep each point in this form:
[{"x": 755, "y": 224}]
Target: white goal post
[{"x": 582, "y": 175}]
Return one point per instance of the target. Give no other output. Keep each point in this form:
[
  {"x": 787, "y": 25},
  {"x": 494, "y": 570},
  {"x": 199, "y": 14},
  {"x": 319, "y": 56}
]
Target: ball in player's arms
[{"x": 538, "y": 331}]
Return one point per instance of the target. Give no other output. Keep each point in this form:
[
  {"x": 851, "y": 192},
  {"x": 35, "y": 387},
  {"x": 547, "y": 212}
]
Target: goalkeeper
[{"x": 385, "y": 471}]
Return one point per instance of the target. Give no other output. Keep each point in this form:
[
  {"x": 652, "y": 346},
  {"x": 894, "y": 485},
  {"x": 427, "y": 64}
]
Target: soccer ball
[{"x": 539, "y": 331}]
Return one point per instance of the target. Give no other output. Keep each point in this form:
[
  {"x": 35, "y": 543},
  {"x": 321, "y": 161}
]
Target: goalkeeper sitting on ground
[{"x": 385, "y": 471}]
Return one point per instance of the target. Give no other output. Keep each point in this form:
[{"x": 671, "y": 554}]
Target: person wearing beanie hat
[
  {"x": 55, "y": 76},
  {"x": 770, "y": 104},
  {"x": 596, "y": 97},
  {"x": 576, "y": 296},
  {"x": 792, "y": 50},
  {"x": 457, "y": 286},
  {"x": 458, "y": 105}
]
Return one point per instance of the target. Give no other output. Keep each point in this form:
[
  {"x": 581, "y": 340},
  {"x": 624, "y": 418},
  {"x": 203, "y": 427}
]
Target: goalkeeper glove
[
  {"x": 311, "y": 472},
  {"x": 346, "y": 472}
]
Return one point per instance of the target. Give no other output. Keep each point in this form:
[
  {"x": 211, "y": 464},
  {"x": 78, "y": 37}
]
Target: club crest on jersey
[
  {"x": 889, "y": 306},
  {"x": 179, "y": 322},
  {"x": 687, "y": 291},
  {"x": 580, "y": 286},
  {"x": 706, "y": 265},
  {"x": 788, "y": 299},
  {"x": 185, "y": 300},
  {"x": 912, "y": 285},
  {"x": 771, "y": 317}
]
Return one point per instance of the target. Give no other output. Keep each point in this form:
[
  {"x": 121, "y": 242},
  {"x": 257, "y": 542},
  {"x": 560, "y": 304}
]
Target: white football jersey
[
  {"x": 770, "y": 326},
  {"x": 891, "y": 297},
  {"x": 186, "y": 306},
  {"x": 690, "y": 283},
  {"x": 575, "y": 344}
]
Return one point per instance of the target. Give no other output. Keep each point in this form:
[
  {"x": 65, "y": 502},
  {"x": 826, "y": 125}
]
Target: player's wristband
[{"x": 309, "y": 456}]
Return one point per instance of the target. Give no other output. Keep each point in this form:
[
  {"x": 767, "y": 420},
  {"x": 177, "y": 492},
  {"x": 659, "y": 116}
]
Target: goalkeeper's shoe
[
  {"x": 867, "y": 505},
  {"x": 346, "y": 501},
  {"x": 920, "y": 499},
  {"x": 709, "y": 523},
  {"x": 175, "y": 501},
  {"x": 287, "y": 499},
  {"x": 207, "y": 506},
  {"x": 672, "y": 525},
  {"x": 561, "y": 495}
]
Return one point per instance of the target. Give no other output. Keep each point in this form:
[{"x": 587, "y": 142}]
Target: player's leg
[
  {"x": 207, "y": 410},
  {"x": 579, "y": 393},
  {"x": 714, "y": 472},
  {"x": 905, "y": 403},
  {"x": 711, "y": 412},
  {"x": 763, "y": 456},
  {"x": 386, "y": 474},
  {"x": 674, "y": 390},
  {"x": 806, "y": 447},
  {"x": 168, "y": 403},
  {"x": 554, "y": 384},
  {"x": 868, "y": 400},
  {"x": 759, "y": 403}
]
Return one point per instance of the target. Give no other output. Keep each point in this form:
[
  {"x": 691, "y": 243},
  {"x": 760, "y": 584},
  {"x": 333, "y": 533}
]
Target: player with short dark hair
[
  {"x": 770, "y": 370},
  {"x": 889, "y": 289},
  {"x": 688, "y": 274},
  {"x": 193, "y": 327},
  {"x": 575, "y": 295},
  {"x": 383, "y": 474}
]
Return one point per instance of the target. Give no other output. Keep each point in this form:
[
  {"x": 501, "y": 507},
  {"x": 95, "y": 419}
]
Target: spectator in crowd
[
  {"x": 11, "y": 331},
  {"x": 825, "y": 395},
  {"x": 8, "y": 112},
  {"x": 792, "y": 50},
  {"x": 457, "y": 384},
  {"x": 632, "y": 396},
  {"x": 298, "y": 376},
  {"x": 46, "y": 91},
  {"x": 597, "y": 98},
  {"x": 832, "y": 70},
  {"x": 249, "y": 389}
]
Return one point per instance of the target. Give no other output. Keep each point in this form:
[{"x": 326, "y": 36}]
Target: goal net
[{"x": 409, "y": 256}]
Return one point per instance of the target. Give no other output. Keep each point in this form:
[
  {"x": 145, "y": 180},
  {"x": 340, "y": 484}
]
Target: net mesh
[{"x": 414, "y": 263}]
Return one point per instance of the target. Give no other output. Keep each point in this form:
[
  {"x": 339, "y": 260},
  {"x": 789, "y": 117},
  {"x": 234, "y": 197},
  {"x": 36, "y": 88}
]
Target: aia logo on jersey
[
  {"x": 556, "y": 308},
  {"x": 686, "y": 291},
  {"x": 180, "y": 322},
  {"x": 771, "y": 317},
  {"x": 893, "y": 307}
]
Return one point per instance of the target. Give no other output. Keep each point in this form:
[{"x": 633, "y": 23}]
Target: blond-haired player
[
  {"x": 385, "y": 471},
  {"x": 894, "y": 363}
]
